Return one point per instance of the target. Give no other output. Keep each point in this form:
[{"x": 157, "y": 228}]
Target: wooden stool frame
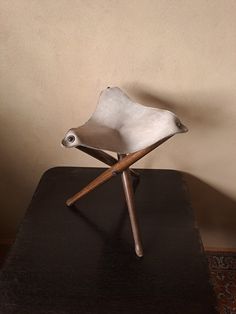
[{"x": 120, "y": 166}]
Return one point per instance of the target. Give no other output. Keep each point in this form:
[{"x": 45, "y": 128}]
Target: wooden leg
[
  {"x": 119, "y": 167},
  {"x": 105, "y": 176},
  {"x": 129, "y": 195},
  {"x": 104, "y": 157}
]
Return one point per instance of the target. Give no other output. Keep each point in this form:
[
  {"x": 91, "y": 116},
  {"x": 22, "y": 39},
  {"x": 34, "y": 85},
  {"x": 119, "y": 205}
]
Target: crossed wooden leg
[
  {"x": 120, "y": 166},
  {"x": 104, "y": 157},
  {"x": 129, "y": 195}
]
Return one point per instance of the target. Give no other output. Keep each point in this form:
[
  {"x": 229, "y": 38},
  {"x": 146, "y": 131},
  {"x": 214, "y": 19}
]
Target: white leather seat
[{"x": 123, "y": 126}]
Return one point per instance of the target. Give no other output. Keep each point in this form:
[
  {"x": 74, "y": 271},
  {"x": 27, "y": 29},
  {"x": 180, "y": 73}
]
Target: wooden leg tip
[
  {"x": 138, "y": 251},
  {"x": 69, "y": 203}
]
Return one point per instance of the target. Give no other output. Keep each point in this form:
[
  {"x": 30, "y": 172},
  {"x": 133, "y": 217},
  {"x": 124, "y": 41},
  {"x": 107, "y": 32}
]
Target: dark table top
[{"x": 82, "y": 260}]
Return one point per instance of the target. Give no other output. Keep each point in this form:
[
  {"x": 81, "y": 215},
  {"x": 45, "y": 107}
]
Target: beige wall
[{"x": 57, "y": 55}]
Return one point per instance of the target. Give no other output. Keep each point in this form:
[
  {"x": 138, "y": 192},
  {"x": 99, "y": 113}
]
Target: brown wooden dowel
[
  {"x": 129, "y": 195},
  {"x": 103, "y": 157},
  {"x": 98, "y": 154},
  {"x": 115, "y": 169}
]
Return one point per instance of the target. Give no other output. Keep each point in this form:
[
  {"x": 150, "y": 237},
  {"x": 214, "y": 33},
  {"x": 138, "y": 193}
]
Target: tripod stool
[{"x": 129, "y": 129}]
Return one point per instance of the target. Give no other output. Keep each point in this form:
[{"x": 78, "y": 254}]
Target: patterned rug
[{"x": 222, "y": 266}]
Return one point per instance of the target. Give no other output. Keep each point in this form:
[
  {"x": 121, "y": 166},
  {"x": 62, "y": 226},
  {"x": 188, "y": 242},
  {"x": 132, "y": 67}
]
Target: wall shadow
[
  {"x": 214, "y": 210},
  {"x": 199, "y": 109}
]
